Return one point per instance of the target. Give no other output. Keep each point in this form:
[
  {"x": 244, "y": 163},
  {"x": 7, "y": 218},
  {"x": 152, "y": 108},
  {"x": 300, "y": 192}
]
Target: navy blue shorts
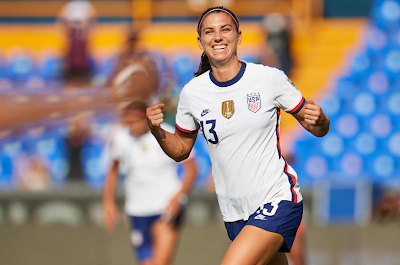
[
  {"x": 141, "y": 234},
  {"x": 283, "y": 218}
]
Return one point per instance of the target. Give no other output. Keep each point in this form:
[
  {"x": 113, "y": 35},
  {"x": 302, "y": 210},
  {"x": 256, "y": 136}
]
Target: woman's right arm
[{"x": 176, "y": 145}]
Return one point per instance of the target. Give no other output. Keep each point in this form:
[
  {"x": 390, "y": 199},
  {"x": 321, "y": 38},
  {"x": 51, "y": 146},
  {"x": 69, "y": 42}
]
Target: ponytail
[{"x": 204, "y": 65}]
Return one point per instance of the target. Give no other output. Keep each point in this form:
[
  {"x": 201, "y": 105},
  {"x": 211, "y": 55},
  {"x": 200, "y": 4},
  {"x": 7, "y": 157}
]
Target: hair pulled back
[{"x": 205, "y": 62}]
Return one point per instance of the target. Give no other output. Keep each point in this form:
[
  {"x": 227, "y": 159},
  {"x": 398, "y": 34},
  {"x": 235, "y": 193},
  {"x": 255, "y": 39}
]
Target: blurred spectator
[
  {"x": 78, "y": 18},
  {"x": 78, "y": 133},
  {"x": 34, "y": 173},
  {"x": 385, "y": 210},
  {"x": 277, "y": 49}
]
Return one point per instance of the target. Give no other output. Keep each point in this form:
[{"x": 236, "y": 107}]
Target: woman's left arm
[{"x": 313, "y": 119}]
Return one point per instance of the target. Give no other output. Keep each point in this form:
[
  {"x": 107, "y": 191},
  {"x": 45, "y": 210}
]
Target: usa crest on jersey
[{"x": 254, "y": 102}]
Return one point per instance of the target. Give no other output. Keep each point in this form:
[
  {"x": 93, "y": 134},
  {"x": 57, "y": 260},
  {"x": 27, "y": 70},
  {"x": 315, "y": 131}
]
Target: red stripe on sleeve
[
  {"x": 298, "y": 106},
  {"x": 184, "y": 130}
]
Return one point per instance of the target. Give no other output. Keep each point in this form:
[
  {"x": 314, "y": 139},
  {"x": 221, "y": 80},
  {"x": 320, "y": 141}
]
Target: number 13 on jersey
[{"x": 214, "y": 139}]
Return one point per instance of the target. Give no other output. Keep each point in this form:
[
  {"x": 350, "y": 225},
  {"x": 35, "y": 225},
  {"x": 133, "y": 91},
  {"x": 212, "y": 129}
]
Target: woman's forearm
[{"x": 173, "y": 145}]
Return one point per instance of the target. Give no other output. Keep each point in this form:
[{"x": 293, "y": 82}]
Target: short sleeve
[
  {"x": 285, "y": 94},
  {"x": 184, "y": 120},
  {"x": 115, "y": 145}
]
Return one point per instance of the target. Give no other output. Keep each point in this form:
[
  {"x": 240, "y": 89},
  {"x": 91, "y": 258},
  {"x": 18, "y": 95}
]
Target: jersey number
[
  {"x": 211, "y": 130},
  {"x": 273, "y": 210}
]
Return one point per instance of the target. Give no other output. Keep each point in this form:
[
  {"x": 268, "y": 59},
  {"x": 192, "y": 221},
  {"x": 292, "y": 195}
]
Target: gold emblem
[{"x": 228, "y": 109}]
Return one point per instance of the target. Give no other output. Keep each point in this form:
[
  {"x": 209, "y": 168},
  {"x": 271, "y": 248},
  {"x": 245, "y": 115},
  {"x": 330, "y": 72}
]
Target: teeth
[{"x": 219, "y": 47}]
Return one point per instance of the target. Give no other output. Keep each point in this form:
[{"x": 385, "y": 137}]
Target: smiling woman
[
  {"x": 236, "y": 106},
  {"x": 216, "y": 33}
]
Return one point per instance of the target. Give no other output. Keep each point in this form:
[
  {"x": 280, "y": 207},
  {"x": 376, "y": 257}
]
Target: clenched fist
[
  {"x": 155, "y": 116},
  {"x": 314, "y": 114}
]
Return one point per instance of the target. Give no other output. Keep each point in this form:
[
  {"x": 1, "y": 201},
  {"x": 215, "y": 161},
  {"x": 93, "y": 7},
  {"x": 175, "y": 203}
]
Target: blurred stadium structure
[{"x": 53, "y": 130}]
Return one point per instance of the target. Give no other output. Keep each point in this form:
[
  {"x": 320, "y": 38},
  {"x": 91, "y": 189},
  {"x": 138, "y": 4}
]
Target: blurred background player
[{"x": 154, "y": 194}]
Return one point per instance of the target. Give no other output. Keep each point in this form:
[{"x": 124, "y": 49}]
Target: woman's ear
[
  {"x": 240, "y": 37},
  {"x": 199, "y": 43}
]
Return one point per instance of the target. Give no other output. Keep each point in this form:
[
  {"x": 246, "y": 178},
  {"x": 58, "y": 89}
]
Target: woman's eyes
[{"x": 224, "y": 30}]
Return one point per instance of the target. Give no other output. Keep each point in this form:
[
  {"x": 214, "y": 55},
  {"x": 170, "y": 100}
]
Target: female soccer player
[
  {"x": 154, "y": 194},
  {"x": 236, "y": 106}
]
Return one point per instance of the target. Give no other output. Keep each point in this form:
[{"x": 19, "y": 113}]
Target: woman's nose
[{"x": 218, "y": 36}]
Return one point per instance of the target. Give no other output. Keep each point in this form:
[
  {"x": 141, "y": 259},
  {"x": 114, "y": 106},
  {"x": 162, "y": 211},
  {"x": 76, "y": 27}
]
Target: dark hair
[{"x": 205, "y": 63}]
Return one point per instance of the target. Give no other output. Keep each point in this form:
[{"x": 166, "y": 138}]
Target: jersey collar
[{"x": 233, "y": 80}]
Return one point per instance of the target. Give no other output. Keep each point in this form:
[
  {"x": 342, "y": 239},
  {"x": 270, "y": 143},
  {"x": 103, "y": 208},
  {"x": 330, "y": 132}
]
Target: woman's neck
[{"x": 227, "y": 71}]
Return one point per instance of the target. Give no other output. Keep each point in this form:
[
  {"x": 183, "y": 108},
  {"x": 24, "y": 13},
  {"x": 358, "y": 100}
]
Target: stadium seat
[
  {"x": 48, "y": 144},
  {"x": 52, "y": 68},
  {"x": 183, "y": 69},
  {"x": 21, "y": 67}
]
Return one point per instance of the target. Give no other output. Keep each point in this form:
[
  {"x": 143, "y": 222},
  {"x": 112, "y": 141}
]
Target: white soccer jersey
[
  {"x": 151, "y": 176},
  {"x": 240, "y": 120}
]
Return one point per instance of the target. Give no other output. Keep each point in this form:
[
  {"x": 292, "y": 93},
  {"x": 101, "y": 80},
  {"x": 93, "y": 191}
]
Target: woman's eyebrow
[
  {"x": 226, "y": 25},
  {"x": 207, "y": 28}
]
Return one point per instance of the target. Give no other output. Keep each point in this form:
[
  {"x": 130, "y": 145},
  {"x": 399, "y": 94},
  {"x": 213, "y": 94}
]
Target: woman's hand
[
  {"x": 155, "y": 116},
  {"x": 111, "y": 215},
  {"x": 174, "y": 206},
  {"x": 313, "y": 114},
  {"x": 313, "y": 119}
]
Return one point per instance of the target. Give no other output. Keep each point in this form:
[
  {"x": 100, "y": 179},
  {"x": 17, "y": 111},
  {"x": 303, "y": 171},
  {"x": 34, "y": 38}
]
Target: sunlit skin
[
  {"x": 136, "y": 122},
  {"x": 219, "y": 40}
]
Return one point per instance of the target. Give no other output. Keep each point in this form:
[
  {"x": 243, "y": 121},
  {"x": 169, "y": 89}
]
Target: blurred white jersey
[
  {"x": 240, "y": 120},
  {"x": 151, "y": 176}
]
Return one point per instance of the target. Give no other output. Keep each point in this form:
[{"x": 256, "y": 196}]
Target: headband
[{"x": 217, "y": 9}]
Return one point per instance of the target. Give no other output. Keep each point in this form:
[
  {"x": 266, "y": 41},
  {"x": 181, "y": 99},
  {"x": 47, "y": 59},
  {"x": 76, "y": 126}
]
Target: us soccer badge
[
  {"x": 254, "y": 102},
  {"x": 228, "y": 109},
  {"x": 292, "y": 86}
]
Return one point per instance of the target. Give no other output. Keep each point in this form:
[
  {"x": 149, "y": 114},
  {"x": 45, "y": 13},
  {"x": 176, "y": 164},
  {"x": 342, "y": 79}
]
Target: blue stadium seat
[
  {"x": 378, "y": 82},
  {"x": 365, "y": 144},
  {"x": 316, "y": 167},
  {"x": 93, "y": 156},
  {"x": 364, "y": 104},
  {"x": 364, "y": 138},
  {"x": 10, "y": 149},
  {"x": 347, "y": 125},
  {"x": 93, "y": 168},
  {"x": 393, "y": 103},
  {"x": 352, "y": 165},
  {"x": 331, "y": 105},
  {"x": 384, "y": 167},
  {"x": 52, "y": 69},
  {"x": 381, "y": 125},
  {"x": 183, "y": 68},
  {"x": 6, "y": 170},
  {"x": 21, "y": 67},
  {"x": 50, "y": 145}
]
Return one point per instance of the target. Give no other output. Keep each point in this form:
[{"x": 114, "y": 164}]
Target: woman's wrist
[{"x": 183, "y": 198}]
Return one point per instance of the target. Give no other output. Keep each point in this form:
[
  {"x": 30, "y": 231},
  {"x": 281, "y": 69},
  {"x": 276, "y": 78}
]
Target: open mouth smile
[{"x": 219, "y": 47}]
